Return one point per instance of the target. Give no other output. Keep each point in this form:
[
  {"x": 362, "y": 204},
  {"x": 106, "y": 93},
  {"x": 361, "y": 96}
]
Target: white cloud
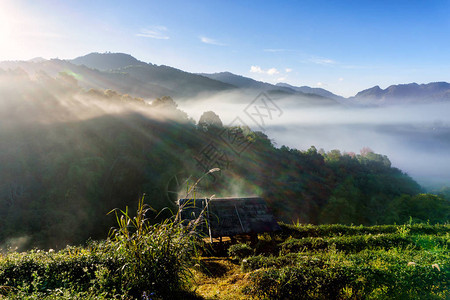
[
  {"x": 288, "y": 70},
  {"x": 319, "y": 84},
  {"x": 322, "y": 61},
  {"x": 154, "y": 32},
  {"x": 341, "y": 79},
  {"x": 210, "y": 41},
  {"x": 272, "y": 71},
  {"x": 281, "y": 79},
  {"x": 257, "y": 69}
]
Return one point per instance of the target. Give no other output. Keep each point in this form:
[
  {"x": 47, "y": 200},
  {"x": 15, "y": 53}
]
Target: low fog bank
[
  {"x": 42, "y": 99},
  {"x": 416, "y": 138}
]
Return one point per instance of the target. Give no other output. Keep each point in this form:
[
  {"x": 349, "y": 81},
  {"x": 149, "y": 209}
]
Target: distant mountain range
[
  {"x": 128, "y": 75},
  {"x": 248, "y": 83},
  {"x": 404, "y": 94},
  {"x": 125, "y": 74}
]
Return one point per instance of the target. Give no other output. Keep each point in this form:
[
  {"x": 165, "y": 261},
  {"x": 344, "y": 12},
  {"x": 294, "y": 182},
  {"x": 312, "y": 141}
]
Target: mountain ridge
[
  {"x": 110, "y": 61},
  {"x": 129, "y": 75},
  {"x": 249, "y": 83},
  {"x": 404, "y": 94},
  {"x": 310, "y": 90}
]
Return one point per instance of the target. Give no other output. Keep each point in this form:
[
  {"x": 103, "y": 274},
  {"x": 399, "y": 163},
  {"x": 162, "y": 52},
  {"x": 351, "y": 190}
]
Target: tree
[
  {"x": 209, "y": 119},
  {"x": 165, "y": 102},
  {"x": 422, "y": 208},
  {"x": 170, "y": 109}
]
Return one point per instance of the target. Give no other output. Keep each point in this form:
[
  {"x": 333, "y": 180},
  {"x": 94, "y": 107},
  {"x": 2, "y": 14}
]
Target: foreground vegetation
[
  {"x": 300, "y": 262},
  {"x": 347, "y": 262},
  {"x": 137, "y": 260}
]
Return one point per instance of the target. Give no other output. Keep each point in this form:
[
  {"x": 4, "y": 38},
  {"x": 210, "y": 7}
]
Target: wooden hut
[{"x": 228, "y": 217}]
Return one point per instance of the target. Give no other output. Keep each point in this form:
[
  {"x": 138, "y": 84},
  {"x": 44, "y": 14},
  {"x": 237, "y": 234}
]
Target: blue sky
[{"x": 342, "y": 46}]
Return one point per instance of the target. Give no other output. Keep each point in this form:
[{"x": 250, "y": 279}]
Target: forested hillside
[{"x": 68, "y": 156}]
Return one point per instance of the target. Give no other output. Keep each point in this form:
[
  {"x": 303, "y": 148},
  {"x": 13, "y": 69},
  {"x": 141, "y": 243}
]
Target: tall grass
[
  {"x": 154, "y": 259},
  {"x": 139, "y": 260}
]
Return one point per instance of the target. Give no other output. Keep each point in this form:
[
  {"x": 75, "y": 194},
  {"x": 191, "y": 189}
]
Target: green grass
[
  {"x": 138, "y": 259},
  {"x": 329, "y": 262},
  {"x": 348, "y": 262},
  {"x": 308, "y": 230}
]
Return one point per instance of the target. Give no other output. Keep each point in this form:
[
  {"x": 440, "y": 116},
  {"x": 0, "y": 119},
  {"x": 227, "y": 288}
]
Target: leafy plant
[
  {"x": 240, "y": 250},
  {"x": 153, "y": 258}
]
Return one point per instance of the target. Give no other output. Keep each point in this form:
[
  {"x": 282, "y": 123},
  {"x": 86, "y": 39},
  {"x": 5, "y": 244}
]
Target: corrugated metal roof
[{"x": 230, "y": 216}]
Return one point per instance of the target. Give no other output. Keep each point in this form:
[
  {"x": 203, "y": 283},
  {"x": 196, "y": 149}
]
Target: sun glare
[
  {"x": 4, "y": 28},
  {"x": 6, "y": 32},
  {"x": 15, "y": 23}
]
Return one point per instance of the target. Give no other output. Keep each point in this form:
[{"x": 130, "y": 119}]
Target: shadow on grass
[{"x": 213, "y": 268}]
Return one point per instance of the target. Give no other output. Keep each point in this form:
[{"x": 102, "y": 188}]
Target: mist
[
  {"x": 416, "y": 138},
  {"x": 69, "y": 154}
]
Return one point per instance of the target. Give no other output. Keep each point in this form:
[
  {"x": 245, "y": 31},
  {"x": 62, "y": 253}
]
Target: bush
[
  {"x": 258, "y": 262},
  {"x": 41, "y": 272},
  {"x": 240, "y": 251},
  {"x": 297, "y": 283},
  {"x": 369, "y": 274},
  {"x": 267, "y": 245},
  {"x": 137, "y": 258},
  {"x": 334, "y": 282},
  {"x": 308, "y": 230},
  {"x": 355, "y": 243}
]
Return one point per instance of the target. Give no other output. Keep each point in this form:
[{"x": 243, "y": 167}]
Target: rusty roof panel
[{"x": 231, "y": 216}]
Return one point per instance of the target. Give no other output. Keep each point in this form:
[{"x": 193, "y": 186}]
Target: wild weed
[{"x": 153, "y": 258}]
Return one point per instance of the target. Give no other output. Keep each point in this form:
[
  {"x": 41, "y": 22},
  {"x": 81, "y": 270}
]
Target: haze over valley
[{"x": 408, "y": 122}]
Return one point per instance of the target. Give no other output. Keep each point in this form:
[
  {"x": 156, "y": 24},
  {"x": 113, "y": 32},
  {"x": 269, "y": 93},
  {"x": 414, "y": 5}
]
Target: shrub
[
  {"x": 153, "y": 258},
  {"x": 308, "y": 230},
  {"x": 332, "y": 282},
  {"x": 267, "y": 245},
  {"x": 137, "y": 258},
  {"x": 240, "y": 251},
  {"x": 297, "y": 283},
  {"x": 352, "y": 243},
  {"x": 392, "y": 274}
]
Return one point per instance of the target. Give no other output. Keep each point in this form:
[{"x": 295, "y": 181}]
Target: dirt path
[{"x": 220, "y": 278}]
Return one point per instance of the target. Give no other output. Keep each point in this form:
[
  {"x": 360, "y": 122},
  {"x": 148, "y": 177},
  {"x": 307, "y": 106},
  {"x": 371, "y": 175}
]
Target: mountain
[
  {"x": 310, "y": 90},
  {"x": 37, "y": 59},
  {"x": 107, "y": 61},
  {"x": 395, "y": 94},
  {"x": 240, "y": 81},
  {"x": 248, "y": 83},
  {"x": 91, "y": 78},
  {"x": 404, "y": 94},
  {"x": 179, "y": 83},
  {"x": 125, "y": 74},
  {"x": 128, "y": 75}
]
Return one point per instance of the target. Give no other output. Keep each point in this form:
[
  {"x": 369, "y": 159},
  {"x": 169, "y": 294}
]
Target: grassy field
[
  {"x": 335, "y": 262},
  {"x": 299, "y": 262}
]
